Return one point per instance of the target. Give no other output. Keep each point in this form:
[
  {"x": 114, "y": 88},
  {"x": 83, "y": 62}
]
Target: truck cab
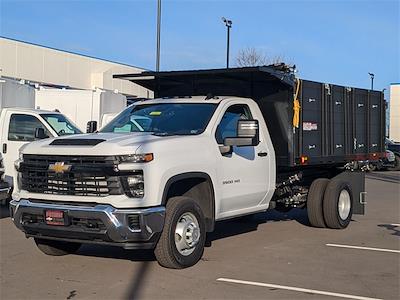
[{"x": 124, "y": 176}]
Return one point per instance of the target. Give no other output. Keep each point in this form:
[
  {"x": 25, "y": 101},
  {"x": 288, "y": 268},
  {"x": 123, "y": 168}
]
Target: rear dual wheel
[
  {"x": 329, "y": 203},
  {"x": 315, "y": 206},
  {"x": 338, "y": 208}
]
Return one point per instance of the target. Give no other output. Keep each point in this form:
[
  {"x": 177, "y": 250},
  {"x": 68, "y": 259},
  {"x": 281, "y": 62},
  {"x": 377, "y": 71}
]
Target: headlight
[
  {"x": 134, "y": 185},
  {"x": 136, "y": 158}
]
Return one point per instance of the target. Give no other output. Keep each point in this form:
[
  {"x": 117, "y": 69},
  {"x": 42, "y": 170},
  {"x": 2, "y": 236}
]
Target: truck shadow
[
  {"x": 381, "y": 176},
  {"x": 250, "y": 223},
  {"x": 116, "y": 253},
  {"x": 222, "y": 230},
  {"x": 391, "y": 227},
  {"x": 4, "y": 212}
]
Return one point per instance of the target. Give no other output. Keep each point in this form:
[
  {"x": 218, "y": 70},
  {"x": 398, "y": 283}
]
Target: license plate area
[{"x": 55, "y": 217}]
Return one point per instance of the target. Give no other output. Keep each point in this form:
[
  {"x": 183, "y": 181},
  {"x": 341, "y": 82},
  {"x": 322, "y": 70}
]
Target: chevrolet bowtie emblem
[{"x": 59, "y": 167}]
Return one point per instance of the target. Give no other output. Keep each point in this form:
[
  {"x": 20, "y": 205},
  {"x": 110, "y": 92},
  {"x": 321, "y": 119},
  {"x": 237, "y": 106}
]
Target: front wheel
[{"x": 182, "y": 240}]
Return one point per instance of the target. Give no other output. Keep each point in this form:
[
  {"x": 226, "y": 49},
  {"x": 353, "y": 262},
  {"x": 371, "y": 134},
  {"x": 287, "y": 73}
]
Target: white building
[
  {"x": 62, "y": 69},
  {"x": 394, "y": 107}
]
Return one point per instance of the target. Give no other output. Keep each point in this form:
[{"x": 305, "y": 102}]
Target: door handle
[
  {"x": 262, "y": 154},
  {"x": 4, "y": 148}
]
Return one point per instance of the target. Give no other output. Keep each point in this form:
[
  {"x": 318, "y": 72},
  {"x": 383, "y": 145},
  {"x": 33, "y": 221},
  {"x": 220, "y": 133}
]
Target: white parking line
[
  {"x": 296, "y": 289},
  {"x": 363, "y": 248}
]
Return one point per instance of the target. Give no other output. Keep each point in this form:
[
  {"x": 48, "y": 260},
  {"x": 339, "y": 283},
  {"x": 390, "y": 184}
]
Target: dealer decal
[{"x": 309, "y": 126}]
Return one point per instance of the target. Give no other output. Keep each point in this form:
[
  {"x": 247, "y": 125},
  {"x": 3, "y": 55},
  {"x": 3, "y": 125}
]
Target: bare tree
[{"x": 250, "y": 57}]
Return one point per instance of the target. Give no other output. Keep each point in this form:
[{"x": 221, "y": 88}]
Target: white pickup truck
[
  {"x": 19, "y": 126},
  {"x": 160, "y": 175}
]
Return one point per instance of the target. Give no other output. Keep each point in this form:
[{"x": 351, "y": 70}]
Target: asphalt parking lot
[{"x": 273, "y": 256}]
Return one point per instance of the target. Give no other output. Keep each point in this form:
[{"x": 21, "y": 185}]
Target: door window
[
  {"x": 228, "y": 125},
  {"x": 22, "y": 128}
]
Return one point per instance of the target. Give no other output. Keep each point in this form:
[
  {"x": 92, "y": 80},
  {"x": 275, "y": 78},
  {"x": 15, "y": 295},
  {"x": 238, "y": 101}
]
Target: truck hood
[{"x": 94, "y": 144}]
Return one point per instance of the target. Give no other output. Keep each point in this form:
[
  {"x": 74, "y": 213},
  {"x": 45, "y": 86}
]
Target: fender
[{"x": 208, "y": 208}]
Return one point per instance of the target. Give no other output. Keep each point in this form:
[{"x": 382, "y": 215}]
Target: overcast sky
[{"x": 336, "y": 41}]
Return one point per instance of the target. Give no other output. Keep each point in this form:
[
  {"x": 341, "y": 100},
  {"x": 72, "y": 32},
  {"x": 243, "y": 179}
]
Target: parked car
[
  {"x": 387, "y": 162},
  {"x": 395, "y": 148},
  {"x": 19, "y": 126}
]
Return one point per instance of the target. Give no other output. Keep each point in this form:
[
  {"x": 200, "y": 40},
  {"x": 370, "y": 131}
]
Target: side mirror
[
  {"x": 91, "y": 126},
  {"x": 248, "y": 134},
  {"x": 40, "y": 134}
]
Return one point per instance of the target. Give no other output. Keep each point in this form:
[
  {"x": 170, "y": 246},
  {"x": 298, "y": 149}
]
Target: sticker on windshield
[{"x": 155, "y": 113}]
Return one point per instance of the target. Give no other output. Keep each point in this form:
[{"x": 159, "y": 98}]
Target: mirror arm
[{"x": 225, "y": 150}]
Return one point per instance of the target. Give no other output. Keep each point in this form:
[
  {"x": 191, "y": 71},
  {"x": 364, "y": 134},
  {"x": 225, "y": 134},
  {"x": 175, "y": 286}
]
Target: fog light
[
  {"x": 134, "y": 222},
  {"x": 134, "y": 180}
]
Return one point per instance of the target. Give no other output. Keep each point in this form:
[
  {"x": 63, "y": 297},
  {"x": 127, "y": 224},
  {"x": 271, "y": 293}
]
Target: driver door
[{"x": 242, "y": 173}]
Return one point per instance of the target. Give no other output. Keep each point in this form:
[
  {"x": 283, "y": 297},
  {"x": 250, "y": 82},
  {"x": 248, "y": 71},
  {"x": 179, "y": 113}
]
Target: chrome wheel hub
[
  {"x": 187, "y": 233},
  {"x": 344, "y": 204}
]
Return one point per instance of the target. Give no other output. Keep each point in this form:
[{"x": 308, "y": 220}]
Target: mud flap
[{"x": 357, "y": 182}]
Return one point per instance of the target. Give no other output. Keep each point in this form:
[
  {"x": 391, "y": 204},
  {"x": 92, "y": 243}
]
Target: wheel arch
[{"x": 197, "y": 185}]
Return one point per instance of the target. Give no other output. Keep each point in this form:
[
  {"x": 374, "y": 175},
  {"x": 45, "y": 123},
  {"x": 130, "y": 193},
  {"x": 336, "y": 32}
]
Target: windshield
[
  {"x": 60, "y": 124},
  {"x": 163, "y": 118}
]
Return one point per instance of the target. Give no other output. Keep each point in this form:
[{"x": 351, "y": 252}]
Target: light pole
[
  {"x": 228, "y": 24},
  {"x": 372, "y": 75},
  {"x": 158, "y": 35}
]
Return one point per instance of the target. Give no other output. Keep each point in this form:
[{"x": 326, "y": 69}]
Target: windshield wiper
[{"x": 161, "y": 133}]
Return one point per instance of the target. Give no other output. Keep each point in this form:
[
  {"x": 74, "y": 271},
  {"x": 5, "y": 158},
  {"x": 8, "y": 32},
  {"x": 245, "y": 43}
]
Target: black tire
[
  {"x": 56, "y": 248},
  {"x": 166, "y": 251},
  {"x": 315, "y": 199},
  {"x": 396, "y": 166},
  {"x": 331, "y": 204}
]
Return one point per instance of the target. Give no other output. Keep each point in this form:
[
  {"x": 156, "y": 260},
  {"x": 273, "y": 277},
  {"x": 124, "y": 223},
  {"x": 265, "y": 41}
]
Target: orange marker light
[
  {"x": 148, "y": 157},
  {"x": 303, "y": 159}
]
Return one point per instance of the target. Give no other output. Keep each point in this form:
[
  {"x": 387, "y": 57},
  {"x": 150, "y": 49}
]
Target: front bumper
[{"x": 99, "y": 224}]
